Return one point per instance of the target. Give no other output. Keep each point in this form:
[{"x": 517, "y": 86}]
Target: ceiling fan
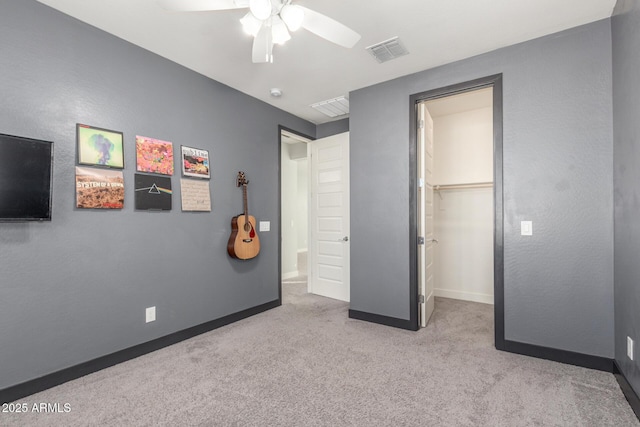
[{"x": 270, "y": 21}]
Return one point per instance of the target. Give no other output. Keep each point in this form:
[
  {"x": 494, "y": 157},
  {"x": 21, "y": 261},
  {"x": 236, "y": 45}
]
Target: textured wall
[
  {"x": 76, "y": 288},
  {"x": 626, "y": 136},
  {"x": 557, "y": 173},
  {"x": 332, "y": 128}
]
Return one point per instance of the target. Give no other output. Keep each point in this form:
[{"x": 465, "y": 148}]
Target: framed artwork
[
  {"x": 99, "y": 147},
  {"x": 195, "y": 195},
  {"x": 195, "y": 162},
  {"x": 154, "y": 156},
  {"x": 153, "y": 192},
  {"x": 99, "y": 188}
]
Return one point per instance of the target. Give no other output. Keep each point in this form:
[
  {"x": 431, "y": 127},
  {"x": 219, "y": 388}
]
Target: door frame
[
  {"x": 310, "y": 138},
  {"x": 494, "y": 81}
]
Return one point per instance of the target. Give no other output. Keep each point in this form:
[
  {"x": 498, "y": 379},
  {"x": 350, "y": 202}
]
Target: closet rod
[{"x": 462, "y": 186}]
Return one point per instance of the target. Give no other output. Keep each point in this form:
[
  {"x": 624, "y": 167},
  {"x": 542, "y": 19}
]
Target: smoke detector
[{"x": 275, "y": 92}]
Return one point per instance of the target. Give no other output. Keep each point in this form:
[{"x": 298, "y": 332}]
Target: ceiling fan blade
[
  {"x": 262, "y": 46},
  {"x": 202, "y": 5},
  {"x": 330, "y": 29}
]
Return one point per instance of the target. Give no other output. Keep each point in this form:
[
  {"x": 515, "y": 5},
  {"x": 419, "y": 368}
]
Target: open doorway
[
  {"x": 314, "y": 216},
  {"x": 455, "y": 209},
  {"x": 294, "y": 208},
  {"x": 458, "y": 199}
]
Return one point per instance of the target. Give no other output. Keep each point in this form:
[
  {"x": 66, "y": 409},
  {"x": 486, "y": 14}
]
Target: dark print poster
[{"x": 153, "y": 192}]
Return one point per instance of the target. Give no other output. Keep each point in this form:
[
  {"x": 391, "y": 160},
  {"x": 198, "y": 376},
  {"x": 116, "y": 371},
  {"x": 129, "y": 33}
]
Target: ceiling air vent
[
  {"x": 387, "y": 50},
  {"x": 333, "y": 107}
]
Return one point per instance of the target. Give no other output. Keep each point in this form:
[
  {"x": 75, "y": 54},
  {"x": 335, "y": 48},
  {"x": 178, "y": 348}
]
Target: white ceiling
[{"x": 309, "y": 69}]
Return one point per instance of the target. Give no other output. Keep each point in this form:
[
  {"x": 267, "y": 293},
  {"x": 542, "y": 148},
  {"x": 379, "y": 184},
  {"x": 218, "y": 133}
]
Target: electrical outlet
[
  {"x": 150, "y": 313},
  {"x": 629, "y": 348}
]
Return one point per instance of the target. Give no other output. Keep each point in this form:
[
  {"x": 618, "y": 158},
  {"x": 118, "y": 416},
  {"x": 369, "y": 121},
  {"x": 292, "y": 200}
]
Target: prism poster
[{"x": 153, "y": 192}]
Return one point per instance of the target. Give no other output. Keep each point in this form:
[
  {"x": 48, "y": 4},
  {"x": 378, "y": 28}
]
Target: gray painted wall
[
  {"x": 76, "y": 288},
  {"x": 557, "y": 173},
  {"x": 626, "y": 148},
  {"x": 332, "y": 128}
]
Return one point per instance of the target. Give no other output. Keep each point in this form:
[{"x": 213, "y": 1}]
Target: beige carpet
[{"x": 307, "y": 364}]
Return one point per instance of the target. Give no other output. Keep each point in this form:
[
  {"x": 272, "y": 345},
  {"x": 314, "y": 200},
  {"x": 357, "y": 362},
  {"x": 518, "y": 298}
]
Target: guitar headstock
[{"x": 241, "y": 180}]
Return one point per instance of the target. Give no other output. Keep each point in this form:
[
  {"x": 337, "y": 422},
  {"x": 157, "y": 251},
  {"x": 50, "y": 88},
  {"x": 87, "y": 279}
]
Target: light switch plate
[
  {"x": 526, "y": 228},
  {"x": 150, "y": 314},
  {"x": 265, "y": 225},
  {"x": 629, "y": 348}
]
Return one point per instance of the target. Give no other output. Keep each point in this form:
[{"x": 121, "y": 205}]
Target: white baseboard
[
  {"x": 290, "y": 275},
  {"x": 465, "y": 296}
]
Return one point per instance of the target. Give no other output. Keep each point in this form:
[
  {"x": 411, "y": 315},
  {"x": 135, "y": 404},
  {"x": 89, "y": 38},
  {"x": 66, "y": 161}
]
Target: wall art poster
[
  {"x": 153, "y": 192},
  {"x": 154, "y": 156},
  {"x": 195, "y": 195},
  {"x": 99, "y": 188},
  {"x": 99, "y": 147},
  {"x": 195, "y": 162}
]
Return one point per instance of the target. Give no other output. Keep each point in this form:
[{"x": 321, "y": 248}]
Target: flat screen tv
[{"x": 26, "y": 168}]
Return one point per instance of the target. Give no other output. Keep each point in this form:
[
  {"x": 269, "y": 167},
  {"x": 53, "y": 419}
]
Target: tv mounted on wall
[{"x": 26, "y": 170}]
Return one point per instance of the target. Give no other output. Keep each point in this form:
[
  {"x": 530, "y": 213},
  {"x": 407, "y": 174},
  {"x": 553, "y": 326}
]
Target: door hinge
[
  {"x": 421, "y": 299},
  {"x": 421, "y": 124},
  {"x": 420, "y": 240}
]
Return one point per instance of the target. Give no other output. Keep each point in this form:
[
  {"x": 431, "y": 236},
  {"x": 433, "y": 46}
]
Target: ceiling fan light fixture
[
  {"x": 261, "y": 9},
  {"x": 250, "y": 24},
  {"x": 279, "y": 31},
  {"x": 293, "y": 16}
]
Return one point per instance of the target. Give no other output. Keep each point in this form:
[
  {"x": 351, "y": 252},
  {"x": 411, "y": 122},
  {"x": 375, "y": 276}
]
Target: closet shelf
[{"x": 463, "y": 186}]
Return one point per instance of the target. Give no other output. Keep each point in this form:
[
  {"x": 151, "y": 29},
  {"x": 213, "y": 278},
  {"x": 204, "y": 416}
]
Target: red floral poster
[{"x": 154, "y": 155}]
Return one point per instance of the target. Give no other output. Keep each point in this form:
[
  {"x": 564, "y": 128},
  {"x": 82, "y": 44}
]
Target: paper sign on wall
[{"x": 195, "y": 195}]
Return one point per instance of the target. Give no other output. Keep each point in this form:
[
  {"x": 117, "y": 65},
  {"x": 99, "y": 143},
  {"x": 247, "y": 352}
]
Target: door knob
[{"x": 344, "y": 239}]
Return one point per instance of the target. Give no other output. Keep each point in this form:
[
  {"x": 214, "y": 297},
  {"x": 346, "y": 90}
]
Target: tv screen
[{"x": 26, "y": 167}]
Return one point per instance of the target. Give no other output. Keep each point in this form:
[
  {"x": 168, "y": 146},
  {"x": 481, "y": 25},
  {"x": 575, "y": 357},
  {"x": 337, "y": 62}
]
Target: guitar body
[{"x": 244, "y": 242}]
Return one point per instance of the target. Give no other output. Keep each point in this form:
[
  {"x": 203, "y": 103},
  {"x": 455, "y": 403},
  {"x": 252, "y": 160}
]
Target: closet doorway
[{"x": 458, "y": 220}]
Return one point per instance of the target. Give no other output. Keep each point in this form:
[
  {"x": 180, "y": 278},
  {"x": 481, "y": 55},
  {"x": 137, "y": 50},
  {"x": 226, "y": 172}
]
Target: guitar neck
[{"x": 244, "y": 200}]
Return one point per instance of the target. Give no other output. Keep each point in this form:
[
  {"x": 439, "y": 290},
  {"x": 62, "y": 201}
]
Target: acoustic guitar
[{"x": 243, "y": 242}]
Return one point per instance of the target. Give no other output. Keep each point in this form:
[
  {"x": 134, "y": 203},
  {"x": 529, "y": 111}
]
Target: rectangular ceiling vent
[
  {"x": 333, "y": 107},
  {"x": 387, "y": 50}
]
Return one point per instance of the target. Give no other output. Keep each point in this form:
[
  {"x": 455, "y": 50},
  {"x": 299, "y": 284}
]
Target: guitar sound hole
[{"x": 247, "y": 227}]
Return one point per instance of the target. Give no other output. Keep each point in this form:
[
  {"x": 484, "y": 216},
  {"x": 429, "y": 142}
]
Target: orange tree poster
[
  {"x": 99, "y": 188},
  {"x": 154, "y": 155}
]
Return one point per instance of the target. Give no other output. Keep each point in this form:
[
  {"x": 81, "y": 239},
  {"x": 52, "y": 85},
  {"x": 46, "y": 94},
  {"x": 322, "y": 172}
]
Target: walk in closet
[{"x": 463, "y": 195}]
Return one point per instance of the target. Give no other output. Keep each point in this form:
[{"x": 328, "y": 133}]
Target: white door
[
  {"x": 426, "y": 301},
  {"x": 329, "y": 217}
]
